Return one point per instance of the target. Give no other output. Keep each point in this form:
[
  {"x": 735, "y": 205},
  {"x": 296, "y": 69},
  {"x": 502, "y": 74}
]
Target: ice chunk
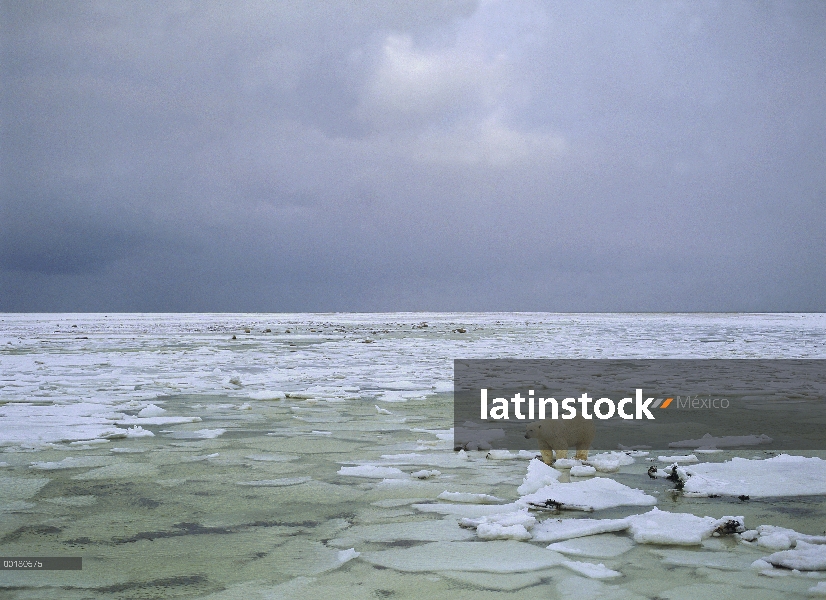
[
  {"x": 775, "y": 541},
  {"x": 663, "y": 527},
  {"x": 138, "y": 432},
  {"x": 200, "y": 434},
  {"x": 467, "y": 510},
  {"x": 157, "y": 420},
  {"x": 526, "y": 454},
  {"x": 152, "y": 410},
  {"x": 382, "y": 411},
  {"x": 583, "y": 471},
  {"x": 819, "y": 589},
  {"x": 724, "y": 561},
  {"x": 266, "y": 395},
  {"x": 495, "y": 531},
  {"x": 345, "y": 555},
  {"x": 425, "y": 474},
  {"x": 73, "y": 462},
  {"x": 566, "y": 463},
  {"x": 610, "y": 462},
  {"x": 372, "y": 471},
  {"x": 804, "y": 557},
  {"x": 471, "y": 498},
  {"x": 595, "y": 546},
  {"x": 781, "y": 475},
  {"x": 591, "y": 570},
  {"x": 507, "y": 519},
  {"x": 538, "y": 476},
  {"x": 421, "y": 531},
  {"x": 554, "y": 530},
  {"x": 593, "y": 494},
  {"x": 492, "y": 557},
  {"x": 790, "y": 534},
  {"x": 501, "y": 455},
  {"x": 679, "y": 458}
]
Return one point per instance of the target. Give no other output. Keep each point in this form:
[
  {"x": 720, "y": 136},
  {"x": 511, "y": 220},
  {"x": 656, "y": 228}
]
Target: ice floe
[
  {"x": 372, "y": 472},
  {"x": 804, "y": 557},
  {"x": 681, "y": 459},
  {"x": 200, "y": 434},
  {"x": 425, "y": 474},
  {"x": 467, "y": 497},
  {"x": 152, "y": 410},
  {"x": 72, "y": 462},
  {"x": 538, "y": 476},
  {"x": 420, "y": 531},
  {"x": 493, "y": 557},
  {"x": 591, "y": 570},
  {"x": 501, "y": 455},
  {"x": 583, "y": 471},
  {"x": 782, "y": 475},
  {"x": 771, "y": 537},
  {"x": 662, "y": 527},
  {"x": 595, "y": 546},
  {"x": 555, "y": 530},
  {"x": 610, "y": 462},
  {"x": 589, "y": 495}
]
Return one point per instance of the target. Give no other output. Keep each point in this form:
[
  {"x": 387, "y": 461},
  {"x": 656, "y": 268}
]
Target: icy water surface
[{"x": 182, "y": 463}]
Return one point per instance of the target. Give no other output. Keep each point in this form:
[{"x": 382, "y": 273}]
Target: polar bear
[{"x": 555, "y": 435}]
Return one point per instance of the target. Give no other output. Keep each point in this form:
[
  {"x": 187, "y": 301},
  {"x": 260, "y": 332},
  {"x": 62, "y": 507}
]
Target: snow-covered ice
[
  {"x": 685, "y": 529},
  {"x": 589, "y": 495},
  {"x": 803, "y": 557},
  {"x": 468, "y": 497},
  {"x": 555, "y": 530},
  {"x": 538, "y": 476},
  {"x": 491, "y": 556},
  {"x": 782, "y": 475},
  {"x": 591, "y": 570}
]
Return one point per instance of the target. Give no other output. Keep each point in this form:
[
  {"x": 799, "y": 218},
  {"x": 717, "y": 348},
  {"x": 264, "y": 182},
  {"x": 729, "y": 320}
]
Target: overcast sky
[{"x": 413, "y": 155}]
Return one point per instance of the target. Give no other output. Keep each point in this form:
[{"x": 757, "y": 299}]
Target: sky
[{"x": 412, "y": 155}]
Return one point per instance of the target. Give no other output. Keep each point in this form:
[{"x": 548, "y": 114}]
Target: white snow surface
[
  {"x": 803, "y": 557},
  {"x": 782, "y": 475},
  {"x": 610, "y": 462},
  {"x": 538, "y": 476},
  {"x": 470, "y": 498},
  {"x": 555, "y": 530},
  {"x": 589, "y": 495},
  {"x": 372, "y": 471},
  {"x": 663, "y": 527}
]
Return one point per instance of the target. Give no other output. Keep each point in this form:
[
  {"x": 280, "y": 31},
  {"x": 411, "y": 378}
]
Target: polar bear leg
[
  {"x": 547, "y": 457},
  {"x": 582, "y": 454},
  {"x": 561, "y": 453}
]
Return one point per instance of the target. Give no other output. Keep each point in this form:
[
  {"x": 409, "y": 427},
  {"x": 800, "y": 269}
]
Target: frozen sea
[{"x": 302, "y": 455}]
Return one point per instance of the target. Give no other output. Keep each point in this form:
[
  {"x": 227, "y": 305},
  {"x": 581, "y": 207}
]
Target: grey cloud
[{"x": 382, "y": 156}]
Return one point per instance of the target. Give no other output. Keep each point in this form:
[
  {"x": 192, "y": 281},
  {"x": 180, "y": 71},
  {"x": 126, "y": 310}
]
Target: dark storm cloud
[{"x": 413, "y": 155}]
